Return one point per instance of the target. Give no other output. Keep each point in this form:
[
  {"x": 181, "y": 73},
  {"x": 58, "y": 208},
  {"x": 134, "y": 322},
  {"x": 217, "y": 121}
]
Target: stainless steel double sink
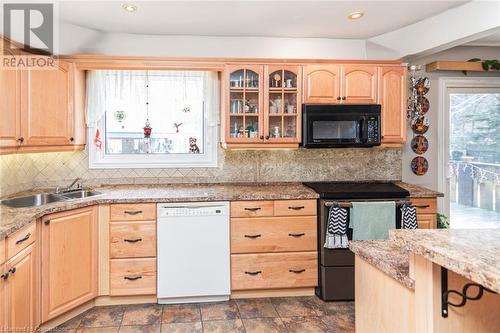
[{"x": 46, "y": 198}]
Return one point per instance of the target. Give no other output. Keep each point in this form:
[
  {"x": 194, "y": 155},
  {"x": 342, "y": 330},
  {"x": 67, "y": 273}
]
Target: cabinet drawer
[
  {"x": 274, "y": 270},
  {"x": 252, "y": 208},
  {"x": 294, "y": 207},
  {"x": 426, "y": 221},
  {"x": 132, "y": 277},
  {"x": 132, "y": 212},
  {"x": 273, "y": 234},
  {"x": 132, "y": 239},
  {"x": 20, "y": 240},
  {"x": 425, "y": 205}
]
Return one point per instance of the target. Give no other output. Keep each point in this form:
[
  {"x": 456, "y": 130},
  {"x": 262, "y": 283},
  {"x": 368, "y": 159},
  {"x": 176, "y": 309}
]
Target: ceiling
[
  {"x": 320, "y": 19},
  {"x": 491, "y": 40}
]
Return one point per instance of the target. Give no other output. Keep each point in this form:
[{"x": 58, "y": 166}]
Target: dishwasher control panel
[{"x": 194, "y": 209}]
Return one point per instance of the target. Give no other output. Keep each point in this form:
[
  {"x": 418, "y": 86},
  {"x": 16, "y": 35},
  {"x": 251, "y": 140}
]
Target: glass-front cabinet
[
  {"x": 243, "y": 121},
  {"x": 282, "y": 104},
  {"x": 262, "y": 105}
]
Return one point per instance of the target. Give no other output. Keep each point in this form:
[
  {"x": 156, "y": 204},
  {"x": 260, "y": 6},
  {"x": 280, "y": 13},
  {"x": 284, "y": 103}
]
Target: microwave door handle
[{"x": 364, "y": 130}]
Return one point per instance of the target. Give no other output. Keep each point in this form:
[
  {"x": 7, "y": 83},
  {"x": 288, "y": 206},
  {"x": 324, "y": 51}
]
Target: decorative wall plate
[
  {"x": 419, "y": 144},
  {"x": 420, "y": 125},
  {"x": 424, "y": 104},
  {"x": 422, "y": 85},
  {"x": 419, "y": 165}
]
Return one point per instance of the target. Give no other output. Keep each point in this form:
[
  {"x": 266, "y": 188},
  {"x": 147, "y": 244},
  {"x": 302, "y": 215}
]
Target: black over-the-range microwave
[{"x": 345, "y": 125}]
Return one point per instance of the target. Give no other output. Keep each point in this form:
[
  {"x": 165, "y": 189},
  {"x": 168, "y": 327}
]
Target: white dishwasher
[{"x": 193, "y": 252}]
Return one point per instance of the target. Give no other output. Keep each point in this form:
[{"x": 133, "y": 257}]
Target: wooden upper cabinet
[
  {"x": 392, "y": 97},
  {"x": 321, "y": 84},
  {"x": 282, "y": 104},
  {"x": 359, "y": 84},
  {"x": 21, "y": 291},
  {"x": 69, "y": 260},
  {"x": 10, "y": 107},
  {"x": 47, "y": 114},
  {"x": 243, "y": 91}
]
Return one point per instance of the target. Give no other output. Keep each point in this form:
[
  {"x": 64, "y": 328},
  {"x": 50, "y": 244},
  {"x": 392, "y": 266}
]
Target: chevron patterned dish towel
[
  {"x": 408, "y": 217},
  {"x": 336, "y": 229}
]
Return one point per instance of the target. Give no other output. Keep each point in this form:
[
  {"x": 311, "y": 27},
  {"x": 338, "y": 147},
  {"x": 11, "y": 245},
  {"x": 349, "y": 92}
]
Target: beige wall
[
  {"x": 461, "y": 53},
  {"x": 47, "y": 170}
]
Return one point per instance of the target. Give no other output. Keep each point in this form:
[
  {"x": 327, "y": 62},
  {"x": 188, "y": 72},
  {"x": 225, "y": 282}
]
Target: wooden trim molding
[
  {"x": 454, "y": 66},
  {"x": 94, "y": 62}
]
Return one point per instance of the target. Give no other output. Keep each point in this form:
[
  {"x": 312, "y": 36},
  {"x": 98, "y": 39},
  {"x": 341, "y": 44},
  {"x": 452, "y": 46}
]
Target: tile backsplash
[{"x": 22, "y": 172}]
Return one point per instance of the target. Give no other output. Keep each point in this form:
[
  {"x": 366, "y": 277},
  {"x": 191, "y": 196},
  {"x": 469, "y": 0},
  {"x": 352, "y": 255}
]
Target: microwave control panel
[{"x": 373, "y": 130}]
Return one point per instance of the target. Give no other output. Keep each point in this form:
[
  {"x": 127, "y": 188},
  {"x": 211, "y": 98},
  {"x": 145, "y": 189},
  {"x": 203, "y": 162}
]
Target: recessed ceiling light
[
  {"x": 355, "y": 15},
  {"x": 129, "y": 8}
]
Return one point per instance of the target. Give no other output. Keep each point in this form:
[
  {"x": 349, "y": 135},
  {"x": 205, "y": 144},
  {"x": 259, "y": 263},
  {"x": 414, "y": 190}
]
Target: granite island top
[
  {"x": 472, "y": 253},
  {"x": 388, "y": 256},
  {"x": 13, "y": 219}
]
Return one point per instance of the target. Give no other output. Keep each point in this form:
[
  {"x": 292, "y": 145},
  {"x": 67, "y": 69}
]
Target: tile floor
[{"x": 264, "y": 315}]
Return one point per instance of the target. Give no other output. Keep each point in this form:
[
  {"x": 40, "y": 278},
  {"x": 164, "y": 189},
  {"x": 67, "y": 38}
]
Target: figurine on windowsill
[{"x": 193, "y": 147}]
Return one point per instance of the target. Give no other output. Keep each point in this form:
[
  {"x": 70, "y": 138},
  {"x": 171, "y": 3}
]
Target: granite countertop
[
  {"x": 417, "y": 191},
  {"x": 387, "y": 256},
  {"x": 13, "y": 219},
  {"x": 472, "y": 253}
]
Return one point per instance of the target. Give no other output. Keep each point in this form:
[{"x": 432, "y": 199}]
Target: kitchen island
[{"x": 410, "y": 272}]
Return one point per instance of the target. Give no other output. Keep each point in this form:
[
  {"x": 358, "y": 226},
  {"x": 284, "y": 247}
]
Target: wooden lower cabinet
[
  {"x": 3, "y": 300},
  {"x": 426, "y": 212},
  {"x": 426, "y": 221},
  {"x": 20, "y": 290},
  {"x": 69, "y": 260},
  {"x": 132, "y": 239},
  {"x": 273, "y": 246},
  {"x": 273, "y": 234},
  {"x": 274, "y": 270},
  {"x": 133, "y": 277}
]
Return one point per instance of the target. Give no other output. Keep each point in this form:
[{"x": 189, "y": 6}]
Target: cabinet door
[
  {"x": 392, "y": 97},
  {"x": 47, "y": 106},
  {"x": 69, "y": 260},
  {"x": 21, "y": 291},
  {"x": 3, "y": 300},
  {"x": 243, "y": 120},
  {"x": 10, "y": 107},
  {"x": 282, "y": 104},
  {"x": 321, "y": 84},
  {"x": 359, "y": 84}
]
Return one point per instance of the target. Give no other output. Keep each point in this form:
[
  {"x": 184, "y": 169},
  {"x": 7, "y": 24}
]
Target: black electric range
[
  {"x": 353, "y": 190},
  {"x": 336, "y": 266}
]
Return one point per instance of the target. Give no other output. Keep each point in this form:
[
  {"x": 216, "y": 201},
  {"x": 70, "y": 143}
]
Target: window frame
[{"x": 98, "y": 159}]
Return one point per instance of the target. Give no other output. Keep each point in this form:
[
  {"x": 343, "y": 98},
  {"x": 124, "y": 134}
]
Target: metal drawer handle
[
  {"x": 25, "y": 238},
  {"x": 253, "y": 236},
  {"x": 297, "y": 235},
  {"x": 423, "y": 206},
  {"x": 296, "y": 207},
  {"x": 253, "y": 209},
  {"x": 253, "y": 273},
  {"x": 12, "y": 270},
  {"x": 132, "y": 278},
  {"x": 133, "y": 212},
  {"x": 297, "y": 271},
  {"x": 133, "y": 240}
]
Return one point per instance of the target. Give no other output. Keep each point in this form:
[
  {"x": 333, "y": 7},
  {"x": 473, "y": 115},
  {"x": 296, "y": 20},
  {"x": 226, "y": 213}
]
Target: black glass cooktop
[{"x": 352, "y": 190}]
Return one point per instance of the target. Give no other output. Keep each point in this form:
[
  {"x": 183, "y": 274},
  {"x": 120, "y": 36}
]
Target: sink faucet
[{"x": 70, "y": 186}]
